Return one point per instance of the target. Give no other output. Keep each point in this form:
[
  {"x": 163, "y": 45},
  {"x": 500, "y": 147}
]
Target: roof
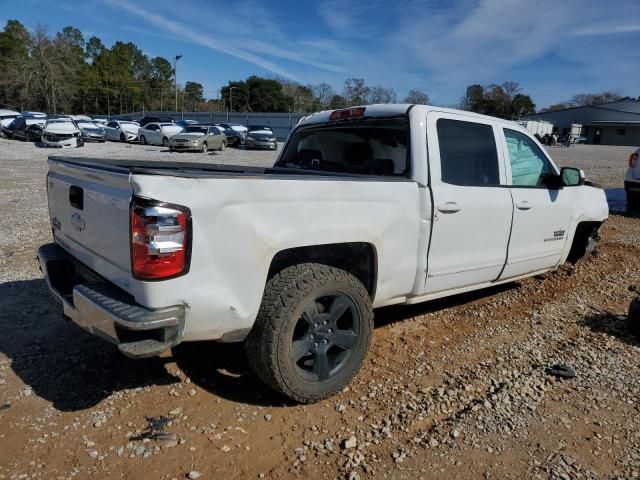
[
  {"x": 397, "y": 109},
  {"x": 8, "y": 112},
  {"x": 627, "y": 106}
]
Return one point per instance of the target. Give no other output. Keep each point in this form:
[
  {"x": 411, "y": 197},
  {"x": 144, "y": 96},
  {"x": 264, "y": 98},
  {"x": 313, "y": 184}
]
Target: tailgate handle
[{"x": 76, "y": 197}]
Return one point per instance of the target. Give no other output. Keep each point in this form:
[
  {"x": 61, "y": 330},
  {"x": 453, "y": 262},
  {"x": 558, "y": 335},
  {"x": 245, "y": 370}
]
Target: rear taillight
[
  {"x": 347, "y": 113},
  {"x": 633, "y": 160},
  {"x": 160, "y": 239}
]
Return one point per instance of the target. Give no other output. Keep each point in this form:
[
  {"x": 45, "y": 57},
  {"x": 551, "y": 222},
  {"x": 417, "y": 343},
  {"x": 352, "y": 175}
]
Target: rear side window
[
  {"x": 468, "y": 153},
  {"x": 376, "y": 147},
  {"x": 529, "y": 166}
]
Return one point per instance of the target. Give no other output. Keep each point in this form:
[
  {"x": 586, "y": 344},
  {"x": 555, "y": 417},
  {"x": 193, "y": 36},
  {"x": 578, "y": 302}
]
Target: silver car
[{"x": 201, "y": 138}]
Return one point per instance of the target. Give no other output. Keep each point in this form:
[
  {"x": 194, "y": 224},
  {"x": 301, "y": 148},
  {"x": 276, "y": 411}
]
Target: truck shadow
[
  {"x": 611, "y": 325},
  {"x": 60, "y": 362},
  {"x": 63, "y": 364}
]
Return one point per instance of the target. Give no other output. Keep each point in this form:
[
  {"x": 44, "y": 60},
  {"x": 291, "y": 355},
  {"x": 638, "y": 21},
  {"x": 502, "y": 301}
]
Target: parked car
[
  {"x": 234, "y": 138},
  {"x": 7, "y": 116},
  {"x": 17, "y": 129},
  {"x": 91, "y": 131},
  {"x": 61, "y": 133},
  {"x": 293, "y": 259},
  {"x": 260, "y": 136},
  {"x": 241, "y": 129},
  {"x": 34, "y": 114},
  {"x": 632, "y": 181},
  {"x": 184, "y": 123},
  {"x": 154, "y": 119},
  {"x": 122, "y": 130},
  {"x": 200, "y": 138},
  {"x": 158, "y": 133}
]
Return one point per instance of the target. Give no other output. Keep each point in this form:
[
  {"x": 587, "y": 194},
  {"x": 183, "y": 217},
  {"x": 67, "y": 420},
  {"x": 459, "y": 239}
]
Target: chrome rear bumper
[{"x": 102, "y": 309}]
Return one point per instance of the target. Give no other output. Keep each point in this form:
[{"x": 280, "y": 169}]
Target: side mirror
[{"x": 572, "y": 177}]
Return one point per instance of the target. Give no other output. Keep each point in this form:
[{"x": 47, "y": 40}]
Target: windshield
[
  {"x": 88, "y": 125},
  {"x": 59, "y": 120},
  {"x": 367, "y": 147},
  {"x": 194, "y": 129}
]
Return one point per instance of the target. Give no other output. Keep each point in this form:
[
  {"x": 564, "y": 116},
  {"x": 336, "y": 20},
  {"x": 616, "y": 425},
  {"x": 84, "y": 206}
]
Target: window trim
[
  {"x": 466, "y": 119},
  {"x": 507, "y": 158},
  {"x": 408, "y": 171}
]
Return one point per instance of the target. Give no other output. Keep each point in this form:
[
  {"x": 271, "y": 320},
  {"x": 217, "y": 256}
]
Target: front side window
[
  {"x": 468, "y": 153},
  {"x": 376, "y": 146},
  {"x": 529, "y": 166}
]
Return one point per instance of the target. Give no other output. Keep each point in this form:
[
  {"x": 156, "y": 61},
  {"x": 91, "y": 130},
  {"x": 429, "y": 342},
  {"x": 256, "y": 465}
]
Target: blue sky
[{"x": 552, "y": 48}]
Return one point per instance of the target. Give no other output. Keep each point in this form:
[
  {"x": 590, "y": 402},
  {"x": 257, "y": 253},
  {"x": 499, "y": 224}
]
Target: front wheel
[
  {"x": 312, "y": 332},
  {"x": 143, "y": 141},
  {"x": 633, "y": 200},
  {"x": 223, "y": 145},
  {"x": 204, "y": 148},
  {"x": 165, "y": 142},
  {"x": 123, "y": 138}
]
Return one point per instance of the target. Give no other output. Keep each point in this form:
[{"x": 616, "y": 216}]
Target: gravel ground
[{"x": 454, "y": 388}]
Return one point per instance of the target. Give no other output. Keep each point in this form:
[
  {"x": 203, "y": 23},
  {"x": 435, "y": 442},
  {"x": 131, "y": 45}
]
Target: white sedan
[
  {"x": 122, "y": 130},
  {"x": 158, "y": 133}
]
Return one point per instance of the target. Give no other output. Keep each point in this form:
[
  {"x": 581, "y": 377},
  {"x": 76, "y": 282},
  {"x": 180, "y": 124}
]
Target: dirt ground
[{"x": 454, "y": 388}]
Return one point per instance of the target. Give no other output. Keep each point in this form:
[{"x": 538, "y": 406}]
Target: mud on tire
[{"x": 312, "y": 332}]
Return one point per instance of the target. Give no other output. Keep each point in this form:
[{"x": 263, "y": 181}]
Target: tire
[
  {"x": 633, "y": 318},
  {"x": 123, "y": 138},
  {"x": 223, "y": 145},
  {"x": 294, "y": 346},
  {"x": 143, "y": 141},
  {"x": 205, "y": 147},
  {"x": 633, "y": 200},
  {"x": 165, "y": 142},
  {"x": 80, "y": 143}
]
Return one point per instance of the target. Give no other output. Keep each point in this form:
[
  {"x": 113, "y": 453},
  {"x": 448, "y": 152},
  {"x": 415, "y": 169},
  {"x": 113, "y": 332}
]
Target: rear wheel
[
  {"x": 312, "y": 333},
  {"x": 223, "y": 145},
  {"x": 633, "y": 200}
]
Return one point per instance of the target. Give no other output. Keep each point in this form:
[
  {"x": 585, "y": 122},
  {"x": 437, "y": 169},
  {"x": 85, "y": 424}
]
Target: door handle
[
  {"x": 449, "y": 207},
  {"x": 523, "y": 205}
]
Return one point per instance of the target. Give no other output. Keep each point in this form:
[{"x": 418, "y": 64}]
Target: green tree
[
  {"x": 15, "y": 42},
  {"x": 522, "y": 105}
]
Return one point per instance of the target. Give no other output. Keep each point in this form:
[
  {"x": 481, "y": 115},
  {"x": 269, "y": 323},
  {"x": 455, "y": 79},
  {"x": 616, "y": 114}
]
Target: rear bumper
[{"x": 102, "y": 309}]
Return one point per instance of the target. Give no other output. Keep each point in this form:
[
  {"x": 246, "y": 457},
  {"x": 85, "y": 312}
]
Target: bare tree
[
  {"x": 417, "y": 96},
  {"x": 511, "y": 89},
  {"x": 380, "y": 94},
  {"x": 356, "y": 91},
  {"x": 323, "y": 93}
]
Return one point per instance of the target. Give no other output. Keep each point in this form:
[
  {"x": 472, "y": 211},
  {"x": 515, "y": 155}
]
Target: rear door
[
  {"x": 472, "y": 209},
  {"x": 542, "y": 215}
]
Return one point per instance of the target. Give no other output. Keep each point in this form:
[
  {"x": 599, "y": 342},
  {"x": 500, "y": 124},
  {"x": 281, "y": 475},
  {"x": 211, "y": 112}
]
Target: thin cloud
[
  {"x": 608, "y": 30},
  {"x": 200, "y": 39},
  {"x": 190, "y": 34}
]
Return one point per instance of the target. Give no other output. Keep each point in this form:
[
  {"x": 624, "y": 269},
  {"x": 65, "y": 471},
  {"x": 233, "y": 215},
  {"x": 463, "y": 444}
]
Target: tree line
[{"x": 66, "y": 73}]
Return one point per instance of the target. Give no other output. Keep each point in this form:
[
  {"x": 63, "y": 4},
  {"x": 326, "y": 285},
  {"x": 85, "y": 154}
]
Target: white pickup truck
[{"x": 365, "y": 207}]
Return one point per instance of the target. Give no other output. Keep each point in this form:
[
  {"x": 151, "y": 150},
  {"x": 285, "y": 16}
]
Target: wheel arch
[
  {"x": 357, "y": 258},
  {"x": 579, "y": 244}
]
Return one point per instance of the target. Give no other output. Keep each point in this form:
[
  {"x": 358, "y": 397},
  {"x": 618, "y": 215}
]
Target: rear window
[{"x": 367, "y": 147}]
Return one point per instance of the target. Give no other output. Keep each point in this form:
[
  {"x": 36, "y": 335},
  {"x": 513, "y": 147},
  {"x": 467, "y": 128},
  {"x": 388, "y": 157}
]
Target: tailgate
[{"x": 89, "y": 213}]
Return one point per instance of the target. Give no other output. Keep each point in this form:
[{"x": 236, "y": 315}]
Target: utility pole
[
  {"x": 231, "y": 97},
  {"x": 175, "y": 77}
]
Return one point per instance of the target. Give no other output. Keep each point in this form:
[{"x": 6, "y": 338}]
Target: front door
[
  {"x": 541, "y": 215},
  {"x": 472, "y": 211}
]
